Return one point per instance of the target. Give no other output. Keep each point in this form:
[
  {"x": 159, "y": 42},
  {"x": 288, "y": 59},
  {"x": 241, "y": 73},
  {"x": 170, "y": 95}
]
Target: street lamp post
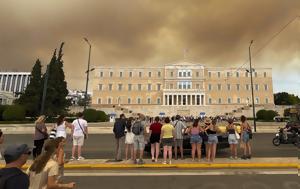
[
  {"x": 44, "y": 90},
  {"x": 252, "y": 93},
  {"x": 87, "y": 74}
]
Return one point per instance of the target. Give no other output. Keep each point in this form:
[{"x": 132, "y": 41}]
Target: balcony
[{"x": 184, "y": 90}]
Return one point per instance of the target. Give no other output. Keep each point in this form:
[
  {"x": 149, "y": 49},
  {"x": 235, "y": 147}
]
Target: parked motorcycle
[{"x": 292, "y": 138}]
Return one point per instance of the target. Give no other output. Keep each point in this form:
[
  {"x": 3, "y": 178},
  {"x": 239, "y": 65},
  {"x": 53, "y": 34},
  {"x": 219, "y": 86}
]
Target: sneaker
[
  {"x": 230, "y": 157},
  {"x": 170, "y": 162},
  {"x": 235, "y": 157},
  {"x": 153, "y": 160},
  {"x": 248, "y": 157},
  {"x": 135, "y": 161},
  {"x": 80, "y": 158},
  {"x": 72, "y": 158},
  {"x": 141, "y": 162},
  {"x": 244, "y": 157},
  {"x": 164, "y": 162}
]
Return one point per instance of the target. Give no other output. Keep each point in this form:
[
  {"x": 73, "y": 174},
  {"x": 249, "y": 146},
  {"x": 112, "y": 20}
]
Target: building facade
[
  {"x": 14, "y": 82},
  {"x": 180, "y": 88}
]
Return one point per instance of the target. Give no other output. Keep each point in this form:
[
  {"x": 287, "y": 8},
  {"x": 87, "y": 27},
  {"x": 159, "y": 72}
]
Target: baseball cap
[{"x": 14, "y": 152}]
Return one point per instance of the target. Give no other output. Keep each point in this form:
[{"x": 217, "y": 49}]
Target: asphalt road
[
  {"x": 101, "y": 146},
  {"x": 188, "y": 182}
]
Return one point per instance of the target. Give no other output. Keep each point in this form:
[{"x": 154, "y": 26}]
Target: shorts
[
  {"x": 154, "y": 138},
  {"x": 138, "y": 142},
  {"x": 245, "y": 137},
  {"x": 178, "y": 142},
  {"x": 78, "y": 140},
  {"x": 129, "y": 138},
  {"x": 212, "y": 139},
  {"x": 196, "y": 139},
  {"x": 167, "y": 141},
  {"x": 232, "y": 139}
]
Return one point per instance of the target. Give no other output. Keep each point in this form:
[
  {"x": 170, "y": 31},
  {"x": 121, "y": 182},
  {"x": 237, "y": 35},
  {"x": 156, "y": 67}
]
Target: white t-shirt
[
  {"x": 61, "y": 130},
  {"x": 77, "y": 129}
]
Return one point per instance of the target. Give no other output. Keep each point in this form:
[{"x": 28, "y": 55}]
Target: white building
[{"x": 14, "y": 82}]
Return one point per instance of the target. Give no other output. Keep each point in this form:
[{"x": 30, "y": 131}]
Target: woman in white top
[
  {"x": 44, "y": 171},
  {"x": 61, "y": 125}
]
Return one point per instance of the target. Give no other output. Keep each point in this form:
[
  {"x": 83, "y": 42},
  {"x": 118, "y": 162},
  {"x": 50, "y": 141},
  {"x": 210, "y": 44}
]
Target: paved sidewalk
[{"x": 220, "y": 163}]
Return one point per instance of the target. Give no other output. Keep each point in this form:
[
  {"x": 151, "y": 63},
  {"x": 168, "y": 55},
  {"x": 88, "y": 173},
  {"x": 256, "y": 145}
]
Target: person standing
[
  {"x": 212, "y": 142},
  {"x": 179, "y": 130},
  {"x": 79, "y": 133},
  {"x": 245, "y": 137},
  {"x": 40, "y": 135},
  {"x": 129, "y": 139},
  {"x": 139, "y": 131},
  {"x": 196, "y": 139},
  {"x": 119, "y": 131},
  {"x": 44, "y": 171},
  {"x": 61, "y": 125},
  {"x": 154, "y": 132},
  {"x": 12, "y": 176},
  {"x": 167, "y": 138},
  {"x": 232, "y": 138}
]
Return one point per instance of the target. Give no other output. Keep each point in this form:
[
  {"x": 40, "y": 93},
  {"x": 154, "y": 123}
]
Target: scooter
[{"x": 293, "y": 138}]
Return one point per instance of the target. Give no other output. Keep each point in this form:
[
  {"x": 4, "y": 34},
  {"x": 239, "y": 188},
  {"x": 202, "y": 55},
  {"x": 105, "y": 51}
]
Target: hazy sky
[{"x": 144, "y": 32}]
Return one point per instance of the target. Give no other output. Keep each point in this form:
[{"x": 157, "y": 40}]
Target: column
[
  {"x": 181, "y": 100},
  {"x": 168, "y": 99},
  {"x": 201, "y": 102},
  {"x": 16, "y": 83},
  {"x": 6, "y": 82},
  {"x": 178, "y": 100}
]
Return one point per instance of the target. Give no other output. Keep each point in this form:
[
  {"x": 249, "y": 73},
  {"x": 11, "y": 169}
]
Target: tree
[
  {"x": 56, "y": 102},
  {"x": 285, "y": 98},
  {"x": 31, "y": 98},
  {"x": 81, "y": 101}
]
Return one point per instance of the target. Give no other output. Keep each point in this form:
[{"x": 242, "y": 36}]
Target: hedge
[
  {"x": 266, "y": 115},
  {"x": 92, "y": 115},
  {"x": 14, "y": 113}
]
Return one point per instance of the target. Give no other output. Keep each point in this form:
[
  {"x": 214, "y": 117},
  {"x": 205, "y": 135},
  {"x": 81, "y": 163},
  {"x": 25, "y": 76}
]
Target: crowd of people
[
  {"x": 47, "y": 169},
  {"x": 169, "y": 133}
]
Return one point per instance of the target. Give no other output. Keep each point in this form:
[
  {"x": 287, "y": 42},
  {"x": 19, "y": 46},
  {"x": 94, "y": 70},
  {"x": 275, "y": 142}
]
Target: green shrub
[
  {"x": 102, "y": 117},
  {"x": 266, "y": 115},
  {"x": 2, "y": 109},
  {"x": 14, "y": 113},
  {"x": 90, "y": 115}
]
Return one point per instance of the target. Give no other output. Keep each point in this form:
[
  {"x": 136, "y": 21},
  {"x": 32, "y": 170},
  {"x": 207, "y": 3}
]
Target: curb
[{"x": 177, "y": 166}]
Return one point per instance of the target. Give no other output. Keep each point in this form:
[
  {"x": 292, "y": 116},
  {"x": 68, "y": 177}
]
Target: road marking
[{"x": 170, "y": 173}]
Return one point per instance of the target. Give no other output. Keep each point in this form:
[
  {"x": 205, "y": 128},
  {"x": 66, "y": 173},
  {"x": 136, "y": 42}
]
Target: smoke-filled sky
[{"x": 152, "y": 32}]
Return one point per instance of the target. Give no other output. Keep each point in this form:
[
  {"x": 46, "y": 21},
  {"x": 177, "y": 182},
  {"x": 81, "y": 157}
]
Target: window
[
  {"x": 130, "y": 74},
  {"x": 140, "y": 74},
  {"x": 100, "y": 87},
  {"x": 237, "y": 87},
  {"x": 171, "y": 86},
  {"x": 257, "y": 100},
  {"x": 120, "y": 87},
  {"x": 219, "y": 87},
  {"x": 209, "y": 87},
  {"x": 158, "y": 100},
  {"x": 209, "y": 101},
  {"x": 219, "y": 74},
  {"x": 149, "y": 100},
  {"x": 139, "y": 100},
  {"x": 158, "y": 74},
  {"x": 229, "y": 100},
  {"x": 139, "y": 87},
  {"x": 101, "y": 74},
  {"x": 256, "y": 87},
  {"x": 184, "y": 74},
  {"x": 109, "y": 101},
  {"x": 121, "y": 74},
  {"x": 99, "y": 100},
  {"x": 149, "y": 87},
  {"x": 189, "y": 74},
  {"x": 180, "y": 74},
  {"x": 197, "y": 86},
  {"x": 158, "y": 87},
  {"x": 197, "y": 74},
  {"x": 171, "y": 74},
  {"x": 129, "y": 87},
  {"x": 220, "y": 101},
  {"x": 110, "y": 74},
  {"x": 228, "y": 87},
  {"x": 237, "y": 74},
  {"x": 247, "y": 87},
  {"x": 110, "y": 87},
  {"x": 238, "y": 100},
  {"x": 129, "y": 100},
  {"x": 248, "y": 100},
  {"x": 209, "y": 74},
  {"x": 265, "y": 74},
  {"x": 266, "y": 87},
  {"x": 149, "y": 74},
  {"x": 228, "y": 74},
  {"x": 267, "y": 101}
]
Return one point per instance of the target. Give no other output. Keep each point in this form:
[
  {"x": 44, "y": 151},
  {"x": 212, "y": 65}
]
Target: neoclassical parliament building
[{"x": 182, "y": 87}]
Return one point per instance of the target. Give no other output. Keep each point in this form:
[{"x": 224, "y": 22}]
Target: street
[
  {"x": 101, "y": 146},
  {"x": 209, "y": 181}
]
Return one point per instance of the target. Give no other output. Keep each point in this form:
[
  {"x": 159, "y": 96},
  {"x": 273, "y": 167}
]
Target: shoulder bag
[
  {"x": 46, "y": 135},
  {"x": 85, "y": 136}
]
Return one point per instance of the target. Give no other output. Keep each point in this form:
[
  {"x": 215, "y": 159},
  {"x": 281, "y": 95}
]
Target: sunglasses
[{"x": 207, "y": 123}]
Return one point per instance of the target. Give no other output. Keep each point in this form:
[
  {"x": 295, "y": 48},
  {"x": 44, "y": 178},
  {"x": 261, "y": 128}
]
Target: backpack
[
  {"x": 137, "y": 128},
  {"x": 5, "y": 178}
]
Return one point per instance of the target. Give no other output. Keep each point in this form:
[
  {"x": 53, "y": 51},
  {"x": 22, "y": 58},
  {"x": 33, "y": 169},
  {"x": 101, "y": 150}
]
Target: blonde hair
[{"x": 40, "y": 119}]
